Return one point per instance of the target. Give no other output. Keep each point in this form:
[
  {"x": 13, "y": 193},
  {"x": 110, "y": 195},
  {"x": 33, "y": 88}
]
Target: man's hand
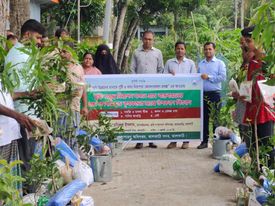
[
  {"x": 204, "y": 76},
  {"x": 84, "y": 112},
  {"x": 24, "y": 120},
  {"x": 235, "y": 95}
]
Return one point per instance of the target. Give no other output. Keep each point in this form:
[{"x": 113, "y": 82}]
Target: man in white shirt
[
  {"x": 180, "y": 65},
  {"x": 10, "y": 130},
  {"x": 31, "y": 30}
]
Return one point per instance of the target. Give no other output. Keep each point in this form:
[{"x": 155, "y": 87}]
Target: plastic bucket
[{"x": 102, "y": 168}]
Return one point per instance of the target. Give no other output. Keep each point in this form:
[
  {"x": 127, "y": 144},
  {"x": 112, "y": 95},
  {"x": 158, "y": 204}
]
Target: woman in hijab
[{"x": 104, "y": 60}]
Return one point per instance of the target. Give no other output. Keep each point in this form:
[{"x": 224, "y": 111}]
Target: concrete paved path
[{"x": 161, "y": 177}]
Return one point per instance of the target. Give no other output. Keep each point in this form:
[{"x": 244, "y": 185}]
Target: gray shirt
[
  {"x": 147, "y": 62},
  {"x": 187, "y": 66}
]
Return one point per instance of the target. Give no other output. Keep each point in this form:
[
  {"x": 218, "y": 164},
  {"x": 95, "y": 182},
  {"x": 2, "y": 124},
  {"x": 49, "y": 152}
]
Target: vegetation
[
  {"x": 91, "y": 16},
  {"x": 9, "y": 193}
]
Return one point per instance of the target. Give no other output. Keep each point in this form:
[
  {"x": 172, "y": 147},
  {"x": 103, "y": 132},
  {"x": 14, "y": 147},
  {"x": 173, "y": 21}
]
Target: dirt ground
[{"x": 162, "y": 177}]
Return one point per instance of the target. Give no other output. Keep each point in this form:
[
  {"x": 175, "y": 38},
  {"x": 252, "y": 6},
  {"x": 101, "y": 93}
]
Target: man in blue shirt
[{"x": 213, "y": 73}]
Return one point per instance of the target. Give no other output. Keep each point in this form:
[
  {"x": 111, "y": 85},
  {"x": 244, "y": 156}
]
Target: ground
[{"x": 162, "y": 177}]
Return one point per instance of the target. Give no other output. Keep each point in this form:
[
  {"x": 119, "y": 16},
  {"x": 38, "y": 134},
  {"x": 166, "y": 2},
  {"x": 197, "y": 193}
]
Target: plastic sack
[
  {"x": 233, "y": 85},
  {"x": 241, "y": 150},
  {"x": 66, "y": 152},
  {"x": 235, "y": 139},
  {"x": 83, "y": 172},
  {"x": 97, "y": 143},
  {"x": 41, "y": 128},
  {"x": 222, "y": 132},
  {"x": 81, "y": 132},
  {"x": 217, "y": 167},
  {"x": 226, "y": 164},
  {"x": 66, "y": 172},
  {"x": 87, "y": 201},
  {"x": 261, "y": 195},
  {"x": 30, "y": 199},
  {"x": 65, "y": 194}
]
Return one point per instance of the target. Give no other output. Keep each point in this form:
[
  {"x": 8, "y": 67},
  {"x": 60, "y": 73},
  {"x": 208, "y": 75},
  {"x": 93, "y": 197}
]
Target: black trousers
[
  {"x": 26, "y": 149},
  {"x": 265, "y": 132},
  {"x": 210, "y": 98}
]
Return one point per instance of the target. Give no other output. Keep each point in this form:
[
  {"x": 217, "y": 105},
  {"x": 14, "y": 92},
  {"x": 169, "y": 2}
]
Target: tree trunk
[
  {"x": 19, "y": 13},
  {"x": 124, "y": 64},
  {"x": 175, "y": 24},
  {"x": 236, "y": 13},
  {"x": 242, "y": 14},
  {"x": 128, "y": 36},
  {"x": 3, "y": 16},
  {"x": 119, "y": 28}
]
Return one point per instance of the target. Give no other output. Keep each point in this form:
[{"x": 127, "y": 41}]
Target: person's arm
[
  {"x": 133, "y": 68},
  {"x": 160, "y": 68},
  {"x": 20, "y": 118},
  {"x": 193, "y": 68},
  {"x": 84, "y": 111}
]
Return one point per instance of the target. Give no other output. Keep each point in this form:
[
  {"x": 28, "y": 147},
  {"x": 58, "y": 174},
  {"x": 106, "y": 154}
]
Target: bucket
[
  {"x": 102, "y": 168},
  {"x": 220, "y": 147},
  {"x": 116, "y": 148}
]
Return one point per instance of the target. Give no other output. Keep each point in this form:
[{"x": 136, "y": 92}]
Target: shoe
[
  {"x": 203, "y": 145},
  {"x": 139, "y": 145},
  {"x": 172, "y": 145},
  {"x": 185, "y": 145},
  {"x": 152, "y": 145}
]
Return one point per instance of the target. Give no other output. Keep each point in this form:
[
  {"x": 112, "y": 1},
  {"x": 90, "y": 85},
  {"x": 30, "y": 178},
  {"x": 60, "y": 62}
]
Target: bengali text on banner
[{"x": 158, "y": 107}]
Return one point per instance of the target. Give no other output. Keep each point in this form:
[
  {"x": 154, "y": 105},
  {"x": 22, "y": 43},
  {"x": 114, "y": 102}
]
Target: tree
[
  {"x": 91, "y": 16},
  {"x": 121, "y": 7},
  {"x": 19, "y": 13},
  {"x": 138, "y": 12},
  {"x": 4, "y": 16}
]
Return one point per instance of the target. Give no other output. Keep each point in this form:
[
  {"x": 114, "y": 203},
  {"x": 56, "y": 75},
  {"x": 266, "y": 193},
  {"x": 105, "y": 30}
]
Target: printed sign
[{"x": 149, "y": 107}]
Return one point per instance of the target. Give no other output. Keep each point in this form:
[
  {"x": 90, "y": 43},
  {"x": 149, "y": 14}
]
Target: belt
[{"x": 212, "y": 92}]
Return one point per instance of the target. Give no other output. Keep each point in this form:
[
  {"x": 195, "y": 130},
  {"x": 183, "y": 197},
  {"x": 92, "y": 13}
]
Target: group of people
[
  {"x": 148, "y": 60},
  {"x": 145, "y": 60}
]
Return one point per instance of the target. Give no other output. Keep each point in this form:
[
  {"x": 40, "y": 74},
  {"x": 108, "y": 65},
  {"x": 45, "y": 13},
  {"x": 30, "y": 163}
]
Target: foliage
[
  {"x": 91, "y": 16},
  {"x": 9, "y": 194},
  {"x": 223, "y": 117},
  {"x": 263, "y": 34},
  {"x": 83, "y": 47},
  {"x": 105, "y": 130},
  {"x": 48, "y": 68},
  {"x": 271, "y": 178},
  {"x": 3, "y": 53},
  {"x": 44, "y": 171}
]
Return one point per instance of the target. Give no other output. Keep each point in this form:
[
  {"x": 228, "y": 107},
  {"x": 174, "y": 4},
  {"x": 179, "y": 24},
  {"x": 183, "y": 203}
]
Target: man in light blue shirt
[
  {"x": 213, "y": 72},
  {"x": 180, "y": 65}
]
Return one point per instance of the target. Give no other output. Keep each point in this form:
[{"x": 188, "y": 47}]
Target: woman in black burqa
[{"x": 104, "y": 60}]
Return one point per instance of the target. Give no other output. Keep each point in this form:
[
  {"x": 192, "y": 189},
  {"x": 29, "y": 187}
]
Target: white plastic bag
[
  {"x": 83, "y": 172},
  {"x": 226, "y": 164},
  {"x": 233, "y": 85},
  {"x": 87, "y": 201}
]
